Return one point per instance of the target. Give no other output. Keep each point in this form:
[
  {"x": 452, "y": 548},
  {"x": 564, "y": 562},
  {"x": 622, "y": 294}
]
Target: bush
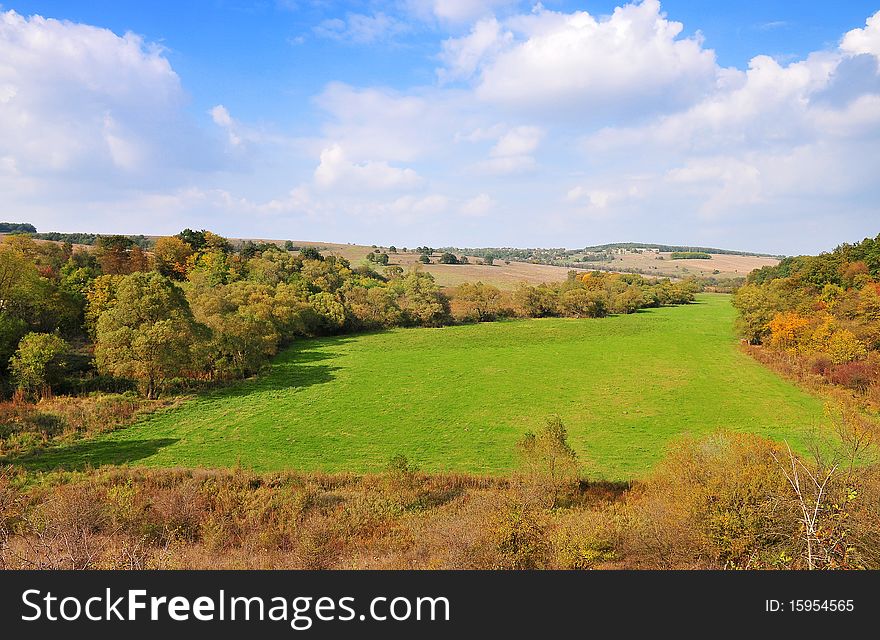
[
  {"x": 581, "y": 303},
  {"x": 857, "y": 376},
  {"x": 549, "y": 463},
  {"x": 536, "y": 302},
  {"x": 715, "y": 503},
  {"x": 477, "y": 302}
]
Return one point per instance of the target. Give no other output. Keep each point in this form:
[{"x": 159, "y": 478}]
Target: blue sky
[{"x": 446, "y": 122}]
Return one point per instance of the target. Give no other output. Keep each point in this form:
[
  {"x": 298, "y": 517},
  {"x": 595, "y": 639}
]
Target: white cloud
[
  {"x": 512, "y": 151},
  {"x": 506, "y": 165},
  {"x": 337, "y": 171},
  {"x": 359, "y": 28},
  {"x": 478, "y": 206},
  {"x": 864, "y": 40},
  {"x": 221, "y": 117},
  {"x": 632, "y": 61},
  {"x": 372, "y": 123},
  {"x": 82, "y": 102},
  {"x": 520, "y": 141},
  {"x": 463, "y": 56}
]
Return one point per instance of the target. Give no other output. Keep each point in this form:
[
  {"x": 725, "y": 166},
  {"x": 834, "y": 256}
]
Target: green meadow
[{"x": 458, "y": 398}]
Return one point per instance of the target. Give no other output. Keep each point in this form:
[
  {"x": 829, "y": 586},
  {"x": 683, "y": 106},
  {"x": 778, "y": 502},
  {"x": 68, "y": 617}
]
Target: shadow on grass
[
  {"x": 81, "y": 455},
  {"x": 297, "y": 366}
]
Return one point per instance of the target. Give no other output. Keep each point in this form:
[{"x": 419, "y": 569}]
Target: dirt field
[{"x": 726, "y": 265}]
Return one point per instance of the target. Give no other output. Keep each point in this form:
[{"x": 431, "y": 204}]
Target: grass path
[{"x": 458, "y": 398}]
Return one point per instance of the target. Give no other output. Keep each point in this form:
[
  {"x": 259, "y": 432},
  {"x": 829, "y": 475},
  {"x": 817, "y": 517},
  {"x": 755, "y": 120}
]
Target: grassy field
[{"x": 458, "y": 398}]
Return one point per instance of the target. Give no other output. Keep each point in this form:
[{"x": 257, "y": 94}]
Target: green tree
[
  {"x": 38, "y": 363},
  {"x": 148, "y": 334},
  {"x": 310, "y": 253},
  {"x": 195, "y": 239},
  {"x": 330, "y": 310},
  {"x": 11, "y": 331},
  {"x": 421, "y": 299}
]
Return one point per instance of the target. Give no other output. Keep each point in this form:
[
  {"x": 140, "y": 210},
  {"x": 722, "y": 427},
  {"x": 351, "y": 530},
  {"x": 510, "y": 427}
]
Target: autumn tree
[
  {"x": 148, "y": 333},
  {"x": 477, "y": 301},
  {"x": 372, "y": 308},
  {"x": 171, "y": 255},
  {"x": 549, "y": 463},
  {"x": 119, "y": 255},
  {"x": 788, "y": 330},
  {"x": 585, "y": 303},
  {"x": 536, "y": 302},
  {"x": 329, "y": 310}
]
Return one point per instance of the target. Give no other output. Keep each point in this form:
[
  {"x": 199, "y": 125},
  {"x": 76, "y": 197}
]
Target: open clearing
[{"x": 458, "y": 398}]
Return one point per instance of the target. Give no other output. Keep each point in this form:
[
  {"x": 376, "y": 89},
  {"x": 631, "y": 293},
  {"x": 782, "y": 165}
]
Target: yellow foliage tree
[
  {"x": 788, "y": 330},
  {"x": 844, "y": 347}
]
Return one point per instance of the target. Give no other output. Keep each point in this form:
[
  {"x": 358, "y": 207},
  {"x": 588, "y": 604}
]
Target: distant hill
[
  {"x": 670, "y": 248},
  {"x": 17, "y": 227}
]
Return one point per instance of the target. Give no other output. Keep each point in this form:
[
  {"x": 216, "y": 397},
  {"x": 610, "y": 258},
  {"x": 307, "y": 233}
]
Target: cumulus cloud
[
  {"x": 221, "y": 117},
  {"x": 512, "y": 151},
  {"x": 463, "y": 56},
  {"x": 82, "y": 102},
  {"x": 382, "y": 123},
  {"x": 631, "y": 61},
  {"x": 337, "y": 171},
  {"x": 864, "y": 40}
]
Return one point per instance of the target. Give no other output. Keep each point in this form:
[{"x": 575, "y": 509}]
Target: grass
[{"x": 458, "y": 399}]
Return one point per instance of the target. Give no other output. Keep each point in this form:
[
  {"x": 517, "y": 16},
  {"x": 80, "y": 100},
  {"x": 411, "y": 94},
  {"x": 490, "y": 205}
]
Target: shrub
[
  {"x": 536, "y": 302},
  {"x": 844, "y": 347},
  {"x": 582, "y": 303},
  {"x": 715, "y": 503},
  {"x": 549, "y": 463},
  {"x": 519, "y": 538},
  {"x": 477, "y": 302},
  {"x": 857, "y": 376}
]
